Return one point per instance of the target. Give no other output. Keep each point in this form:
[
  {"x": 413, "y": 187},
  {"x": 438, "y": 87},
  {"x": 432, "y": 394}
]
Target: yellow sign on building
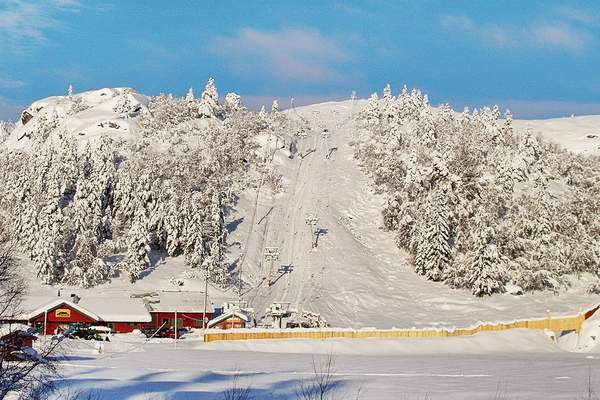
[{"x": 62, "y": 313}]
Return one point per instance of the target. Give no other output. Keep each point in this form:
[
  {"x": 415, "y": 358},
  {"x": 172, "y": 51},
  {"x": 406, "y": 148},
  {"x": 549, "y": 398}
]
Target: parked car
[
  {"x": 104, "y": 332},
  {"x": 164, "y": 332},
  {"x": 101, "y": 333},
  {"x": 170, "y": 333}
]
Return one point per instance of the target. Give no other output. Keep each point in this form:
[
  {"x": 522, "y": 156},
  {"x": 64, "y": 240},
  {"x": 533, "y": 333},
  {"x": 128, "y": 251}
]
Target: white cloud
[
  {"x": 581, "y": 15},
  {"x": 559, "y": 36},
  {"x": 24, "y": 24},
  {"x": 300, "y": 54},
  {"x": 7, "y": 83}
]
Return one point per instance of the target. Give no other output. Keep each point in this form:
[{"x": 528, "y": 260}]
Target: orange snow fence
[{"x": 573, "y": 323}]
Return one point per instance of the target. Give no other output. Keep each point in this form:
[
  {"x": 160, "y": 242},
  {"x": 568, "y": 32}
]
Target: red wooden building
[
  {"x": 187, "y": 307},
  {"x": 14, "y": 339},
  {"x": 122, "y": 314},
  {"x": 232, "y": 317}
]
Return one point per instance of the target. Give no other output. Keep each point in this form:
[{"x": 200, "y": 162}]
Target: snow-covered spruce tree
[
  {"x": 233, "y": 103},
  {"x": 137, "y": 259},
  {"x": 486, "y": 272},
  {"x": 209, "y": 105},
  {"x": 189, "y": 97},
  {"x": 48, "y": 256},
  {"x": 433, "y": 246},
  {"x": 86, "y": 269},
  {"x": 262, "y": 113},
  {"x": 387, "y": 92},
  {"x": 372, "y": 113}
]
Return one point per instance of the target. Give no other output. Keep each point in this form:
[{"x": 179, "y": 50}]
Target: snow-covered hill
[
  {"x": 579, "y": 134},
  {"x": 87, "y": 116},
  {"x": 356, "y": 276}
]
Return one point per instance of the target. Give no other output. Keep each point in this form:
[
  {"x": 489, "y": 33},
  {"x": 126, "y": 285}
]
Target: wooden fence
[{"x": 573, "y": 323}]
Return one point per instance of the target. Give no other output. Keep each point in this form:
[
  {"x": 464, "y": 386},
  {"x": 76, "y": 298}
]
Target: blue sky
[{"x": 540, "y": 58}]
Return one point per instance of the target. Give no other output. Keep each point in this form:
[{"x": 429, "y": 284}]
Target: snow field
[{"x": 524, "y": 364}]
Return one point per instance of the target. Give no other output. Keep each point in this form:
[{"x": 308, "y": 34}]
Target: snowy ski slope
[{"x": 356, "y": 276}]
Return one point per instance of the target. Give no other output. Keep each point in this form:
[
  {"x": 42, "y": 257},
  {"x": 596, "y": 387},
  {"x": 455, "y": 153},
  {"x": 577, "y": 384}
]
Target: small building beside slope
[{"x": 232, "y": 317}]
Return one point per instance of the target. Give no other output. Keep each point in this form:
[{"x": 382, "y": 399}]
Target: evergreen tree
[
  {"x": 387, "y": 92},
  {"x": 189, "y": 97},
  {"x": 233, "y": 102},
  {"x": 209, "y": 105},
  {"x": 433, "y": 248},
  {"x": 486, "y": 273},
  {"x": 138, "y": 250}
]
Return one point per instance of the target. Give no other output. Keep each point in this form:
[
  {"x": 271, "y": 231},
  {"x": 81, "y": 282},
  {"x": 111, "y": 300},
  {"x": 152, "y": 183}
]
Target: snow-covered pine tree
[
  {"x": 426, "y": 127},
  {"x": 209, "y": 105},
  {"x": 433, "y": 248},
  {"x": 275, "y": 106},
  {"x": 194, "y": 247},
  {"x": 86, "y": 269},
  {"x": 189, "y": 97},
  {"x": 262, "y": 114},
  {"x": 387, "y": 92},
  {"x": 486, "y": 272},
  {"x": 372, "y": 113},
  {"x": 233, "y": 103},
  {"x": 507, "y": 128},
  {"x": 48, "y": 255},
  {"x": 137, "y": 259},
  {"x": 216, "y": 241}
]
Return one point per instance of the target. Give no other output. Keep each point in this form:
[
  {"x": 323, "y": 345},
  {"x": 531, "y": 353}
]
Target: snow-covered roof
[
  {"x": 58, "y": 302},
  {"x": 108, "y": 309},
  {"x": 120, "y": 309},
  {"x": 6, "y": 329},
  {"x": 226, "y": 315},
  {"x": 180, "y": 301}
]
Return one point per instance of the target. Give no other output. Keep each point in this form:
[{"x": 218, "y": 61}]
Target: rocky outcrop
[{"x": 26, "y": 117}]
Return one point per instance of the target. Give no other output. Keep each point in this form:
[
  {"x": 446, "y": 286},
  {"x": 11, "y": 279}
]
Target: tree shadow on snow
[
  {"x": 233, "y": 225},
  {"x": 156, "y": 385}
]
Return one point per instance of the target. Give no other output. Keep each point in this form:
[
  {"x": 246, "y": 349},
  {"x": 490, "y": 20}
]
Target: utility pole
[
  {"x": 45, "y": 325},
  {"x": 271, "y": 254},
  {"x": 205, "y": 297},
  {"x": 312, "y": 220},
  {"x": 176, "y": 329},
  {"x": 208, "y": 228}
]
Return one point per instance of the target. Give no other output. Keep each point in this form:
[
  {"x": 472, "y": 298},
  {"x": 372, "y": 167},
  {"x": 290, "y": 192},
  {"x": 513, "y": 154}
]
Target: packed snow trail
[{"x": 356, "y": 276}]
